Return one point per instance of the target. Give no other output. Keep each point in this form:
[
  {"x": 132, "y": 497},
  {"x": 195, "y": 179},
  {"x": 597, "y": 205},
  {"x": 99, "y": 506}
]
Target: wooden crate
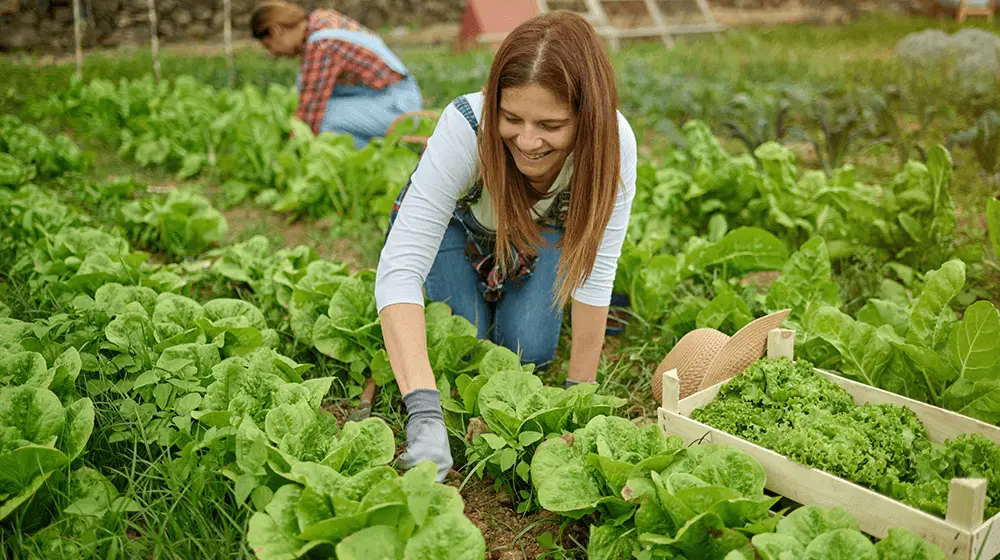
[{"x": 962, "y": 535}]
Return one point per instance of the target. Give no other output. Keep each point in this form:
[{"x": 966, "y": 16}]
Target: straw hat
[{"x": 704, "y": 357}]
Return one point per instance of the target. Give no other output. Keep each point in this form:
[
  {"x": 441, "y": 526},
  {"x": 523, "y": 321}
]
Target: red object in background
[{"x": 492, "y": 20}]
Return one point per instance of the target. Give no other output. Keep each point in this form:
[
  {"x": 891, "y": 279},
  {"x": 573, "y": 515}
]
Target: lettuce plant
[
  {"x": 514, "y": 412},
  {"x": 374, "y": 513},
  {"x": 39, "y": 436},
  {"x": 919, "y": 348},
  {"x": 182, "y": 223}
]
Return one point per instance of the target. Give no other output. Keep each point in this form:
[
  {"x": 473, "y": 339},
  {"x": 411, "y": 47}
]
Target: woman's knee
[{"x": 534, "y": 341}]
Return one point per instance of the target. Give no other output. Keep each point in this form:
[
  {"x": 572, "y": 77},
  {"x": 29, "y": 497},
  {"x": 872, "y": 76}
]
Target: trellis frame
[{"x": 599, "y": 18}]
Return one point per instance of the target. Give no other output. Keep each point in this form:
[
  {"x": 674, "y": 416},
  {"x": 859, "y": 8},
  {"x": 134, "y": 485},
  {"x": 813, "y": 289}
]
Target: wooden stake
[
  {"x": 671, "y": 390},
  {"x": 78, "y": 38},
  {"x": 781, "y": 343},
  {"x": 227, "y": 34},
  {"x": 966, "y": 502},
  {"x": 154, "y": 40}
]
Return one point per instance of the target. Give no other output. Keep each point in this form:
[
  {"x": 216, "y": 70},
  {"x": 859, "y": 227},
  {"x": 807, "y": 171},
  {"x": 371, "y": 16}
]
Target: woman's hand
[
  {"x": 589, "y": 325},
  {"x": 426, "y": 434},
  {"x": 405, "y": 334}
]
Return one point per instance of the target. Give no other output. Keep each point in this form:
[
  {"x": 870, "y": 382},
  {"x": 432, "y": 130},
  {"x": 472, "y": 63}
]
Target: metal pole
[
  {"x": 227, "y": 33},
  {"x": 155, "y": 40},
  {"x": 77, "y": 36}
]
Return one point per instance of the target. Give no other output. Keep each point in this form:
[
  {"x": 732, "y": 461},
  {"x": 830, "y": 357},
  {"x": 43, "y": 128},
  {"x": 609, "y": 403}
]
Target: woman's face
[
  {"x": 282, "y": 41},
  {"x": 539, "y": 129}
]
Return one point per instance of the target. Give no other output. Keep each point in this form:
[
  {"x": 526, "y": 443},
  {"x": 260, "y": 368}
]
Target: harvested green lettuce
[{"x": 791, "y": 409}]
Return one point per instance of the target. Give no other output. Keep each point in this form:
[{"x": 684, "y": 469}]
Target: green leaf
[
  {"x": 25, "y": 368},
  {"x": 527, "y": 438},
  {"x": 363, "y": 445},
  {"x": 877, "y": 312},
  {"x": 775, "y": 546},
  {"x": 975, "y": 343},
  {"x": 904, "y": 544},
  {"x": 732, "y": 468},
  {"x": 704, "y": 536},
  {"x": 78, "y": 427},
  {"x": 23, "y": 471},
  {"x": 807, "y": 523},
  {"x": 550, "y": 458},
  {"x": 608, "y": 542},
  {"x": 726, "y": 312},
  {"x": 978, "y": 399},
  {"x": 381, "y": 369},
  {"x": 805, "y": 283},
  {"x": 380, "y": 541},
  {"x": 495, "y": 442},
  {"x": 447, "y": 537},
  {"x": 841, "y": 544},
  {"x": 509, "y": 398},
  {"x": 191, "y": 165},
  {"x": 499, "y": 359},
  {"x": 271, "y": 534},
  {"x": 930, "y": 316},
  {"x": 507, "y": 459},
  {"x": 865, "y": 355},
  {"x": 32, "y": 414},
  {"x": 742, "y": 251},
  {"x": 572, "y": 491},
  {"x": 993, "y": 224}
]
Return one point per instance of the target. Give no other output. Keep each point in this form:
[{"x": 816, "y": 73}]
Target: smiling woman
[{"x": 518, "y": 206}]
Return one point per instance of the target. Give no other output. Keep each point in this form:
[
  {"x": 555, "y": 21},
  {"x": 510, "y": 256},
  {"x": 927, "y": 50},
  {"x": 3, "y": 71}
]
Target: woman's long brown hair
[{"x": 561, "y": 52}]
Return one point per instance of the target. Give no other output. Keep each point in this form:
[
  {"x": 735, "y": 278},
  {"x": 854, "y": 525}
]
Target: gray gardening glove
[{"x": 426, "y": 435}]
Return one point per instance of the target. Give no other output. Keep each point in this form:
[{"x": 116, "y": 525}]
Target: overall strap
[
  {"x": 462, "y": 104},
  {"x": 471, "y": 196},
  {"x": 372, "y": 42}
]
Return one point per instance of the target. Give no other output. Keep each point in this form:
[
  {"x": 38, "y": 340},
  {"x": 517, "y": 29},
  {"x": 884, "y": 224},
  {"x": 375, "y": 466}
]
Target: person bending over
[{"x": 518, "y": 206}]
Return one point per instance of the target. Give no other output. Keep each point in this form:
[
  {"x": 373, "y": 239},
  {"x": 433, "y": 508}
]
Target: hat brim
[
  {"x": 691, "y": 357},
  {"x": 742, "y": 349}
]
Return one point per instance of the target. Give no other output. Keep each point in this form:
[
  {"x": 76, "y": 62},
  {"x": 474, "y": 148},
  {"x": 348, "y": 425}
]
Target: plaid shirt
[{"x": 329, "y": 62}]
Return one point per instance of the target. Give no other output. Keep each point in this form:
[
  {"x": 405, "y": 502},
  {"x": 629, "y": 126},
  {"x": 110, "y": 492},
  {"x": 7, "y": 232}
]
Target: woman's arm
[
  {"x": 406, "y": 342},
  {"x": 592, "y": 299},
  {"x": 443, "y": 173},
  {"x": 589, "y": 324}
]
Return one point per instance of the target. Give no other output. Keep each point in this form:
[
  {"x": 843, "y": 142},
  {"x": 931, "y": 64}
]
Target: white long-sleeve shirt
[{"x": 448, "y": 168}]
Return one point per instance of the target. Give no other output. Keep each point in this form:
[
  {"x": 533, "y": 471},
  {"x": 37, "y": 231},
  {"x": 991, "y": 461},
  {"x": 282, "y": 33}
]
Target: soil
[
  {"x": 511, "y": 535},
  {"x": 244, "y": 221}
]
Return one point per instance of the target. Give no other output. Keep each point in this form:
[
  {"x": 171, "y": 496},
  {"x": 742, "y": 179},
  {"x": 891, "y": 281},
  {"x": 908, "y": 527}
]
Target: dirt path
[
  {"x": 246, "y": 221},
  {"x": 510, "y": 535}
]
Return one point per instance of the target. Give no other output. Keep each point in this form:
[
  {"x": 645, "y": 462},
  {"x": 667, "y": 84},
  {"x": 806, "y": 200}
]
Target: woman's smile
[
  {"x": 539, "y": 130},
  {"x": 534, "y": 158}
]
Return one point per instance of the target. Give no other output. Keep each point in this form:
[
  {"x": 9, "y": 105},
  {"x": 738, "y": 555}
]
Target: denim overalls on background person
[
  {"x": 361, "y": 111},
  {"x": 516, "y": 312}
]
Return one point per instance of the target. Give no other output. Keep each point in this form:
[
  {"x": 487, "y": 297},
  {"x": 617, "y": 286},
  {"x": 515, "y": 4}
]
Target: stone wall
[{"x": 47, "y": 25}]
